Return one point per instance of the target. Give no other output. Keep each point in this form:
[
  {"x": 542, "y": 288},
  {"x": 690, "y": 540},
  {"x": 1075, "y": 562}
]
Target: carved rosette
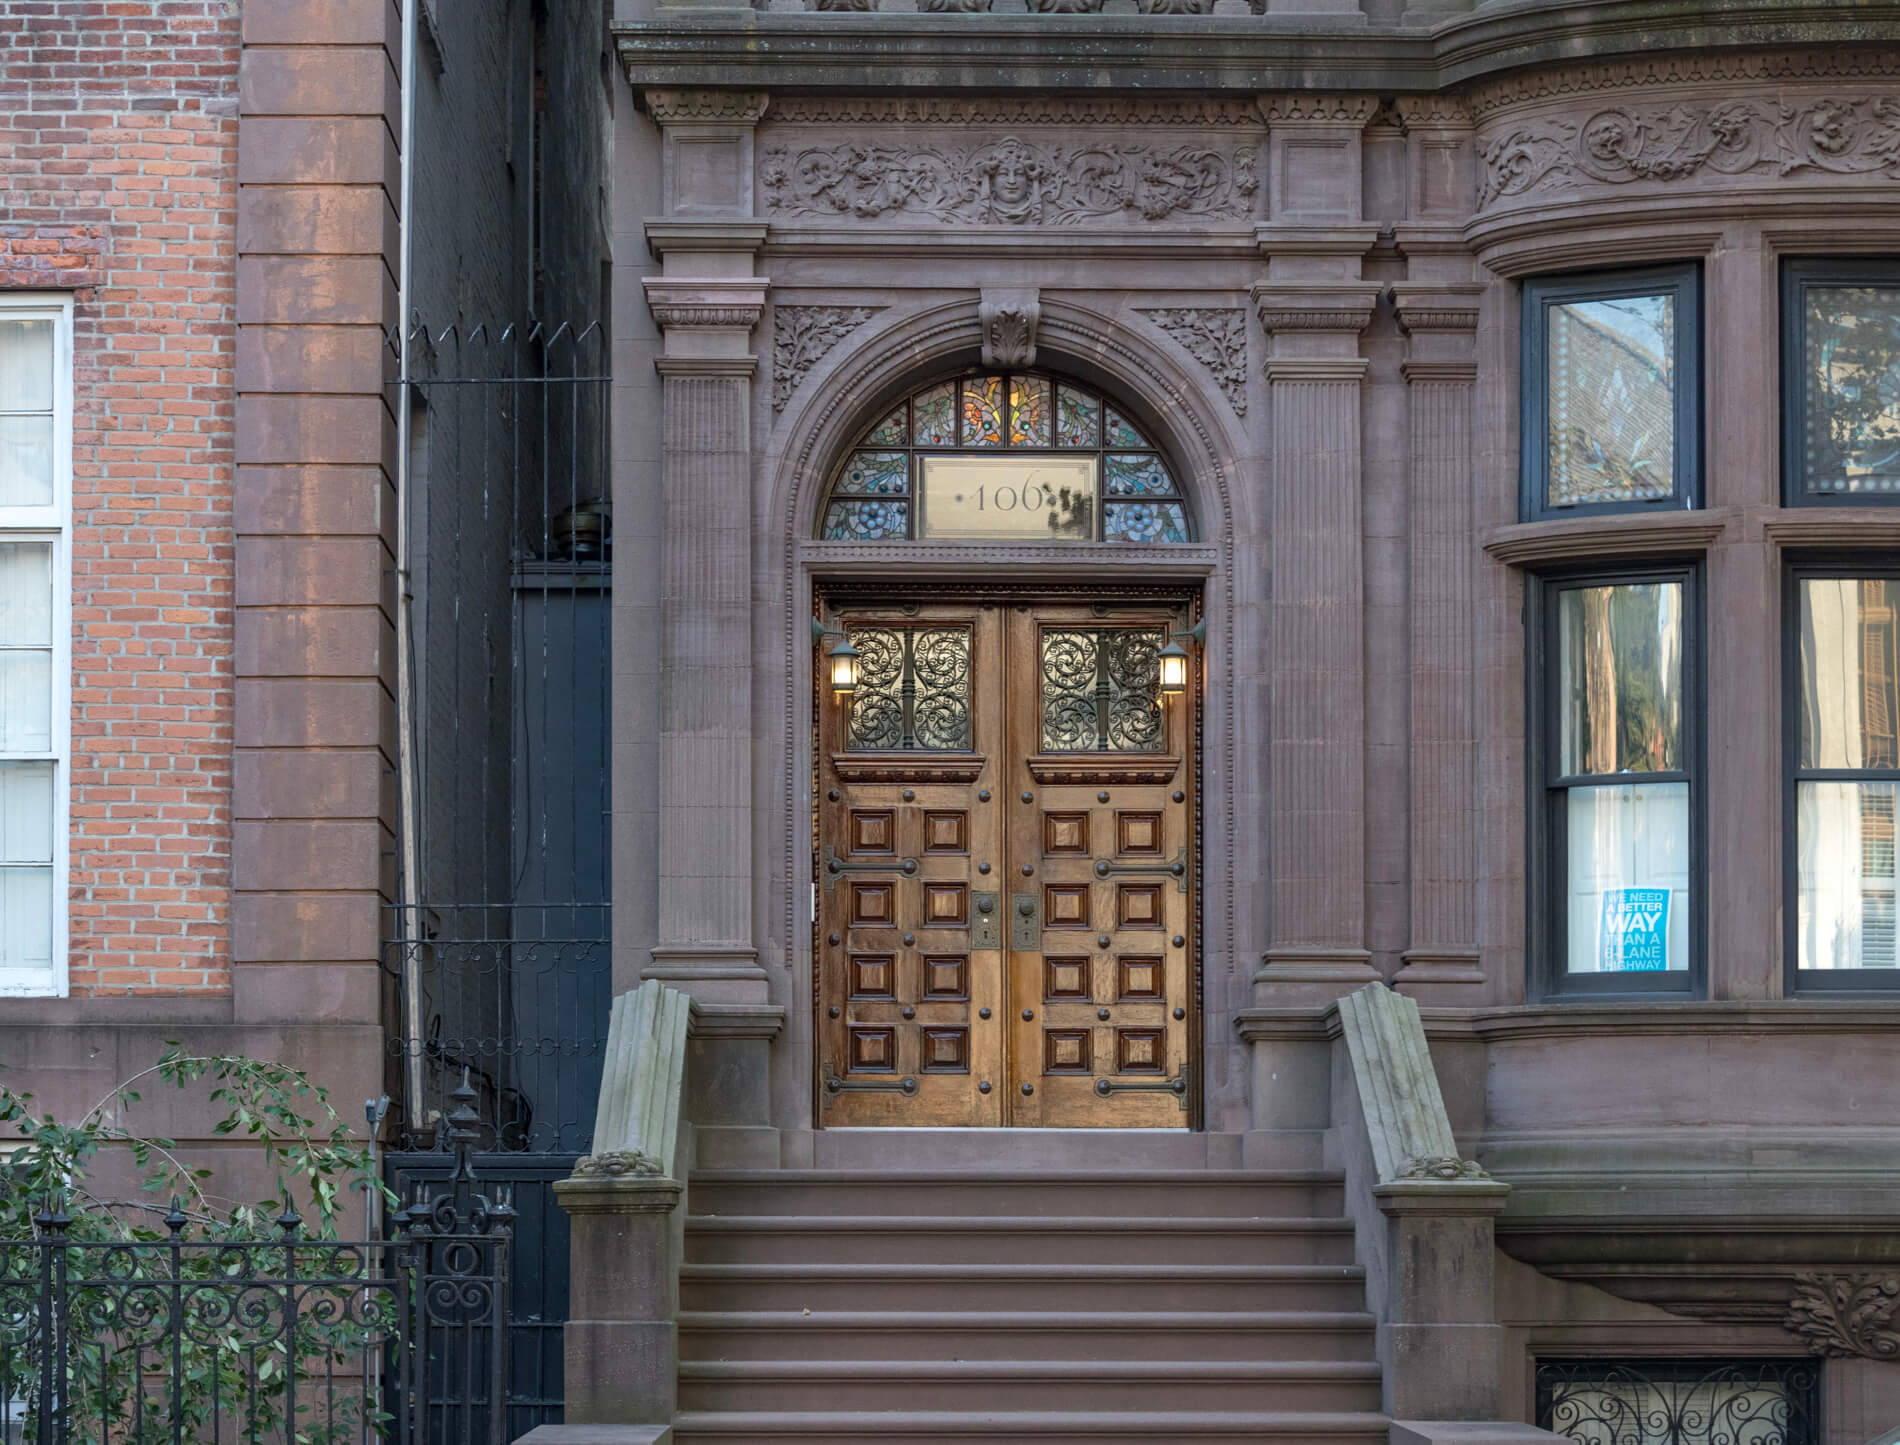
[
  {"x": 801, "y": 337},
  {"x": 1216, "y": 337},
  {"x": 1446, "y": 1169},
  {"x": 1011, "y": 182},
  {"x": 1819, "y": 136},
  {"x": 1847, "y": 1314}
]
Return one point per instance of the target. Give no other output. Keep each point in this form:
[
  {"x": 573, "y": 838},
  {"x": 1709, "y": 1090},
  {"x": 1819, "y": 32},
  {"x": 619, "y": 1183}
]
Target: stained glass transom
[{"x": 1054, "y": 429}]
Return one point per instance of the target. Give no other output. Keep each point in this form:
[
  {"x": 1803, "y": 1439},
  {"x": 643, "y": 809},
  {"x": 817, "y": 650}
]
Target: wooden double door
[{"x": 1005, "y": 898}]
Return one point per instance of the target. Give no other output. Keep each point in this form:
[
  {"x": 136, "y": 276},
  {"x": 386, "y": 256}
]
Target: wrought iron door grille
[{"x": 1680, "y": 1401}]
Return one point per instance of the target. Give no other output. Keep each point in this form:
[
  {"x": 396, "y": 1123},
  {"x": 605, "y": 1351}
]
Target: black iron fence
[{"x": 179, "y": 1340}]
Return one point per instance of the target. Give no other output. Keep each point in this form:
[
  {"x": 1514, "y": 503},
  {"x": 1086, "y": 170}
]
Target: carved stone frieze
[
  {"x": 1433, "y": 112},
  {"x": 1303, "y": 108},
  {"x": 740, "y": 107},
  {"x": 1449, "y": 1168},
  {"x": 1011, "y": 182},
  {"x": 1847, "y": 1314},
  {"x": 714, "y": 316},
  {"x": 1675, "y": 70},
  {"x": 1215, "y": 336},
  {"x": 1029, "y": 110},
  {"x": 801, "y": 335},
  {"x": 1844, "y": 135},
  {"x": 1009, "y": 319}
]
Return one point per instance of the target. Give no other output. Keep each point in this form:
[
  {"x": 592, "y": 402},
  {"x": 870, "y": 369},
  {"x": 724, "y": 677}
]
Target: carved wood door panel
[{"x": 1005, "y": 875}]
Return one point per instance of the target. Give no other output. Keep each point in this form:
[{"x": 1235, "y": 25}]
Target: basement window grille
[{"x": 1680, "y": 1401}]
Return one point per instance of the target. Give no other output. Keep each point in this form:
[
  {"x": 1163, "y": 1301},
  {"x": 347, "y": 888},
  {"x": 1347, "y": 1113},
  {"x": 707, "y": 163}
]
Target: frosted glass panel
[
  {"x": 26, "y": 366},
  {"x": 1612, "y": 379},
  {"x": 26, "y": 812},
  {"x": 1850, "y": 693},
  {"x": 26, "y": 461},
  {"x": 26, "y": 594},
  {"x": 26, "y": 918},
  {"x": 1845, "y": 874},
  {"x": 1620, "y": 679},
  {"x": 26, "y": 702},
  {"x": 1628, "y": 884}
]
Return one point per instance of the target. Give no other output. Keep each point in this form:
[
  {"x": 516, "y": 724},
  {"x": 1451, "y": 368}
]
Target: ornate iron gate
[{"x": 497, "y": 958}]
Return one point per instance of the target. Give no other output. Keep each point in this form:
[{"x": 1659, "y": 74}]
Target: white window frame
[{"x": 53, "y": 524}]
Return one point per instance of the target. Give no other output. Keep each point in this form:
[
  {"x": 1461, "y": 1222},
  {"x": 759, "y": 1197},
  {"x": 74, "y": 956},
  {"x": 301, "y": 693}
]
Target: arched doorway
[{"x": 1006, "y": 900}]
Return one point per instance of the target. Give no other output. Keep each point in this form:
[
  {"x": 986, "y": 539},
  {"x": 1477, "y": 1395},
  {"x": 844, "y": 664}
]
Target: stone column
[
  {"x": 1313, "y": 306},
  {"x": 1317, "y": 707},
  {"x": 706, "y": 302},
  {"x": 1441, "y": 372}
]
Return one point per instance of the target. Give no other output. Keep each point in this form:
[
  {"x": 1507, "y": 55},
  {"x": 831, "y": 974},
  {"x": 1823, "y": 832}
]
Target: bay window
[{"x": 1840, "y": 369}]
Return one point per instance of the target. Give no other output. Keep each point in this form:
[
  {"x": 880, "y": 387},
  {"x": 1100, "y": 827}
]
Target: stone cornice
[
  {"x": 706, "y": 304},
  {"x": 1531, "y": 544},
  {"x": 1450, "y": 307},
  {"x": 1433, "y": 113},
  {"x": 1316, "y": 368},
  {"x": 703, "y": 107},
  {"x": 740, "y": 366},
  {"x": 1442, "y": 372},
  {"x": 671, "y": 233},
  {"x": 1217, "y": 56},
  {"x": 940, "y": 110},
  {"x": 1316, "y": 306}
]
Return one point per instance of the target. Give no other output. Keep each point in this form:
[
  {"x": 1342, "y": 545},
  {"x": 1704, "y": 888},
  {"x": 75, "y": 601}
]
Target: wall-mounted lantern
[
  {"x": 1174, "y": 669},
  {"x": 843, "y": 661}
]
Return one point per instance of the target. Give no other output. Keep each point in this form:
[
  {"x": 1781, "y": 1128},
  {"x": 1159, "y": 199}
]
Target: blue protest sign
[{"x": 1635, "y": 932}]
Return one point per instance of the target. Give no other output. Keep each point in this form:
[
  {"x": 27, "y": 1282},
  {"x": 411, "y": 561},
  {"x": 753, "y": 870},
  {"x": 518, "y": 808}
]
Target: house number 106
[{"x": 1030, "y": 496}]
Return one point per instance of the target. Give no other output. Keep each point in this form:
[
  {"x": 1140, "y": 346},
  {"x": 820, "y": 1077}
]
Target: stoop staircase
[{"x": 1051, "y": 1309}]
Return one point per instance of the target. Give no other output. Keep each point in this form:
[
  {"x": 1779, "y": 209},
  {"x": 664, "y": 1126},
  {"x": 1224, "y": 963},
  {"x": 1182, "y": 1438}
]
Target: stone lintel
[{"x": 1285, "y": 239}]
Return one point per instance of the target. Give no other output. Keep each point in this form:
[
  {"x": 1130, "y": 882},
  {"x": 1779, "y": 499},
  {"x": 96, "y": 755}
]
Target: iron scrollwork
[
  {"x": 913, "y": 689},
  {"x": 1679, "y": 1402},
  {"x": 1101, "y": 689}
]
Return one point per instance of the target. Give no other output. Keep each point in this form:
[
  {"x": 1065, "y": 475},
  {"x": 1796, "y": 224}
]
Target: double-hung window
[
  {"x": 35, "y": 638},
  {"x": 1617, "y": 837},
  {"x": 1844, "y": 678},
  {"x": 1840, "y": 377},
  {"x": 1612, "y": 410}
]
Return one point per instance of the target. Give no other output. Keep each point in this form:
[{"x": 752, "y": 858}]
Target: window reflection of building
[{"x": 1612, "y": 402}]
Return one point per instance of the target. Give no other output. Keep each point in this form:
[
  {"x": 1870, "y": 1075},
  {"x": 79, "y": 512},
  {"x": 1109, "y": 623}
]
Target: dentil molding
[
  {"x": 1304, "y": 108},
  {"x": 1010, "y": 181},
  {"x": 1847, "y": 1314},
  {"x": 1835, "y": 135},
  {"x": 736, "y": 107},
  {"x": 1317, "y": 306},
  {"x": 1678, "y": 70},
  {"x": 1032, "y": 110},
  {"x": 1216, "y": 337},
  {"x": 706, "y": 304},
  {"x": 802, "y": 335}
]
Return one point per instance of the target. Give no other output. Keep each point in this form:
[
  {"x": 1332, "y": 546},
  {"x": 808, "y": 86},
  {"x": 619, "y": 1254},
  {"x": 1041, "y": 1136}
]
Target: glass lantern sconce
[
  {"x": 1175, "y": 660},
  {"x": 841, "y": 662}
]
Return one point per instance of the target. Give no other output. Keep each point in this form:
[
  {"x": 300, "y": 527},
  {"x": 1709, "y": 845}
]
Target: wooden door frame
[{"x": 830, "y": 596}]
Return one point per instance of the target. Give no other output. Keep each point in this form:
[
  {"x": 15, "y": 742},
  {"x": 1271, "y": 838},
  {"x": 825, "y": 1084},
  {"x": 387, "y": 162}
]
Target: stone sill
[
  {"x": 1607, "y": 537},
  {"x": 1634, "y": 1018}
]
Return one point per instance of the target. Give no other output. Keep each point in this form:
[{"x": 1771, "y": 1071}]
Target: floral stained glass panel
[
  {"x": 1121, "y": 432},
  {"x": 935, "y": 413},
  {"x": 867, "y": 521},
  {"x": 1144, "y": 522},
  {"x": 1852, "y": 343},
  {"x": 876, "y": 474},
  {"x": 1138, "y": 476},
  {"x": 1612, "y": 392},
  {"x": 1028, "y": 411},
  {"x": 891, "y": 432},
  {"x": 983, "y": 411},
  {"x": 1078, "y": 419}
]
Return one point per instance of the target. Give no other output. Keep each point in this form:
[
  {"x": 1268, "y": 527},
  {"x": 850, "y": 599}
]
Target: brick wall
[{"x": 118, "y": 141}]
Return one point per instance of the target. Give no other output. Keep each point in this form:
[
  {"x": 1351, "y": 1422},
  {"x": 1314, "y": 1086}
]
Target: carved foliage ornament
[
  {"x": 1447, "y": 1169},
  {"x": 741, "y": 107},
  {"x": 1847, "y": 1314},
  {"x": 801, "y": 335},
  {"x": 1012, "y": 111},
  {"x": 619, "y": 1164},
  {"x": 1848, "y": 135},
  {"x": 1009, "y": 322},
  {"x": 1011, "y": 182},
  {"x": 1215, "y": 336}
]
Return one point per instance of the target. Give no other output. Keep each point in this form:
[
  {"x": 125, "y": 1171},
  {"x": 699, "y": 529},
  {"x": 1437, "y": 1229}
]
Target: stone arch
[{"x": 871, "y": 368}]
